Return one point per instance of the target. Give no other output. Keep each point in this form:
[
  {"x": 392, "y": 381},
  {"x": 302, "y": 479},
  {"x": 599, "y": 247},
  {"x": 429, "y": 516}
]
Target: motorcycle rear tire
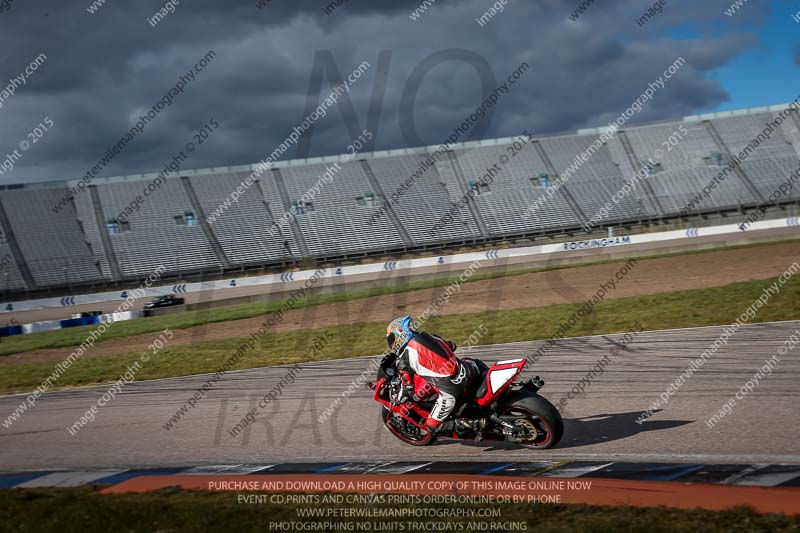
[{"x": 541, "y": 409}]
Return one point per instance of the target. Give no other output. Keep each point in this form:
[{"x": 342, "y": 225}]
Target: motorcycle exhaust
[{"x": 533, "y": 384}]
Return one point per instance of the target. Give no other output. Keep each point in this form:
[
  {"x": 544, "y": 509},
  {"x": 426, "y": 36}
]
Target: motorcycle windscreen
[{"x": 499, "y": 377}]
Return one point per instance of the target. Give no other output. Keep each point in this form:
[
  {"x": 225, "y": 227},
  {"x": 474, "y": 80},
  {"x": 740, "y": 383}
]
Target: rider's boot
[
  {"x": 446, "y": 428},
  {"x": 462, "y": 425}
]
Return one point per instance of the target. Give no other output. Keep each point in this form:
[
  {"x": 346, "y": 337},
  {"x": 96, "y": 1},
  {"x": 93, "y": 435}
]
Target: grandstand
[{"x": 86, "y": 245}]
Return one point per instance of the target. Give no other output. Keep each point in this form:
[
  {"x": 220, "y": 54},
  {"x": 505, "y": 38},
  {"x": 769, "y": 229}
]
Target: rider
[{"x": 435, "y": 360}]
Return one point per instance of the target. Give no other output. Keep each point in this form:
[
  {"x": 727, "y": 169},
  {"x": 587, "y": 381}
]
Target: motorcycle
[{"x": 508, "y": 411}]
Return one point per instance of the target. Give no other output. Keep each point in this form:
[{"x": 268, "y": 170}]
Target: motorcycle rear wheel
[
  {"x": 542, "y": 415},
  {"x": 405, "y": 431}
]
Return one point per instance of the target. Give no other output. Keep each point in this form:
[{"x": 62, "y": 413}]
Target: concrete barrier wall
[{"x": 52, "y": 325}]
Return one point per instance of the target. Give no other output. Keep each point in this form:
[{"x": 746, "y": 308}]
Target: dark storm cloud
[{"x": 106, "y": 69}]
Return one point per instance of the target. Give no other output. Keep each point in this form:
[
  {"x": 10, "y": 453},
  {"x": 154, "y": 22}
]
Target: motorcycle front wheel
[{"x": 405, "y": 431}]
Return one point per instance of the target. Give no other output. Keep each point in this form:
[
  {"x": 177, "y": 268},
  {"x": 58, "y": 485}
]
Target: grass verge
[
  {"x": 84, "y": 510},
  {"x": 701, "y": 307}
]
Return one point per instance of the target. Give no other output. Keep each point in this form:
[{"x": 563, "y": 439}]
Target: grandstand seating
[
  {"x": 596, "y": 181},
  {"x": 159, "y": 233},
  {"x": 424, "y": 204},
  {"x": 87, "y": 242},
  {"x": 243, "y": 232},
  {"x": 773, "y": 160},
  {"x": 337, "y": 223},
  {"x": 53, "y": 244},
  {"x": 10, "y": 277},
  {"x": 522, "y": 180}
]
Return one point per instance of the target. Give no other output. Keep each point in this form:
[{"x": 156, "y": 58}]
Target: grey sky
[{"x": 104, "y": 69}]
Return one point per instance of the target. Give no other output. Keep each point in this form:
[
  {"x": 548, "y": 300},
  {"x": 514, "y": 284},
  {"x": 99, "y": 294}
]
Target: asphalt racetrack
[{"x": 129, "y": 432}]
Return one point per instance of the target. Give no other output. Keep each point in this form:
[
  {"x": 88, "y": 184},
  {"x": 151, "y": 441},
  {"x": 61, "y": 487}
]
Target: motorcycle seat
[{"x": 482, "y": 380}]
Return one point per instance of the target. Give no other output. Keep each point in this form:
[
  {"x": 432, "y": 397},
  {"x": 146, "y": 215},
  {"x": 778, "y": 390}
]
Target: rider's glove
[
  {"x": 402, "y": 395},
  {"x": 406, "y": 386}
]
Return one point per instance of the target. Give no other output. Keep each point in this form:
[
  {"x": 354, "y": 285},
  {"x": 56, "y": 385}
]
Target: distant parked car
[{"x": 164, "y": 301}]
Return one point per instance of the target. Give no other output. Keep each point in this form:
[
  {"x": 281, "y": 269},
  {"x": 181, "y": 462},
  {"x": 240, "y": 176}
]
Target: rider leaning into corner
[{"x": 434, "y": 359}]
